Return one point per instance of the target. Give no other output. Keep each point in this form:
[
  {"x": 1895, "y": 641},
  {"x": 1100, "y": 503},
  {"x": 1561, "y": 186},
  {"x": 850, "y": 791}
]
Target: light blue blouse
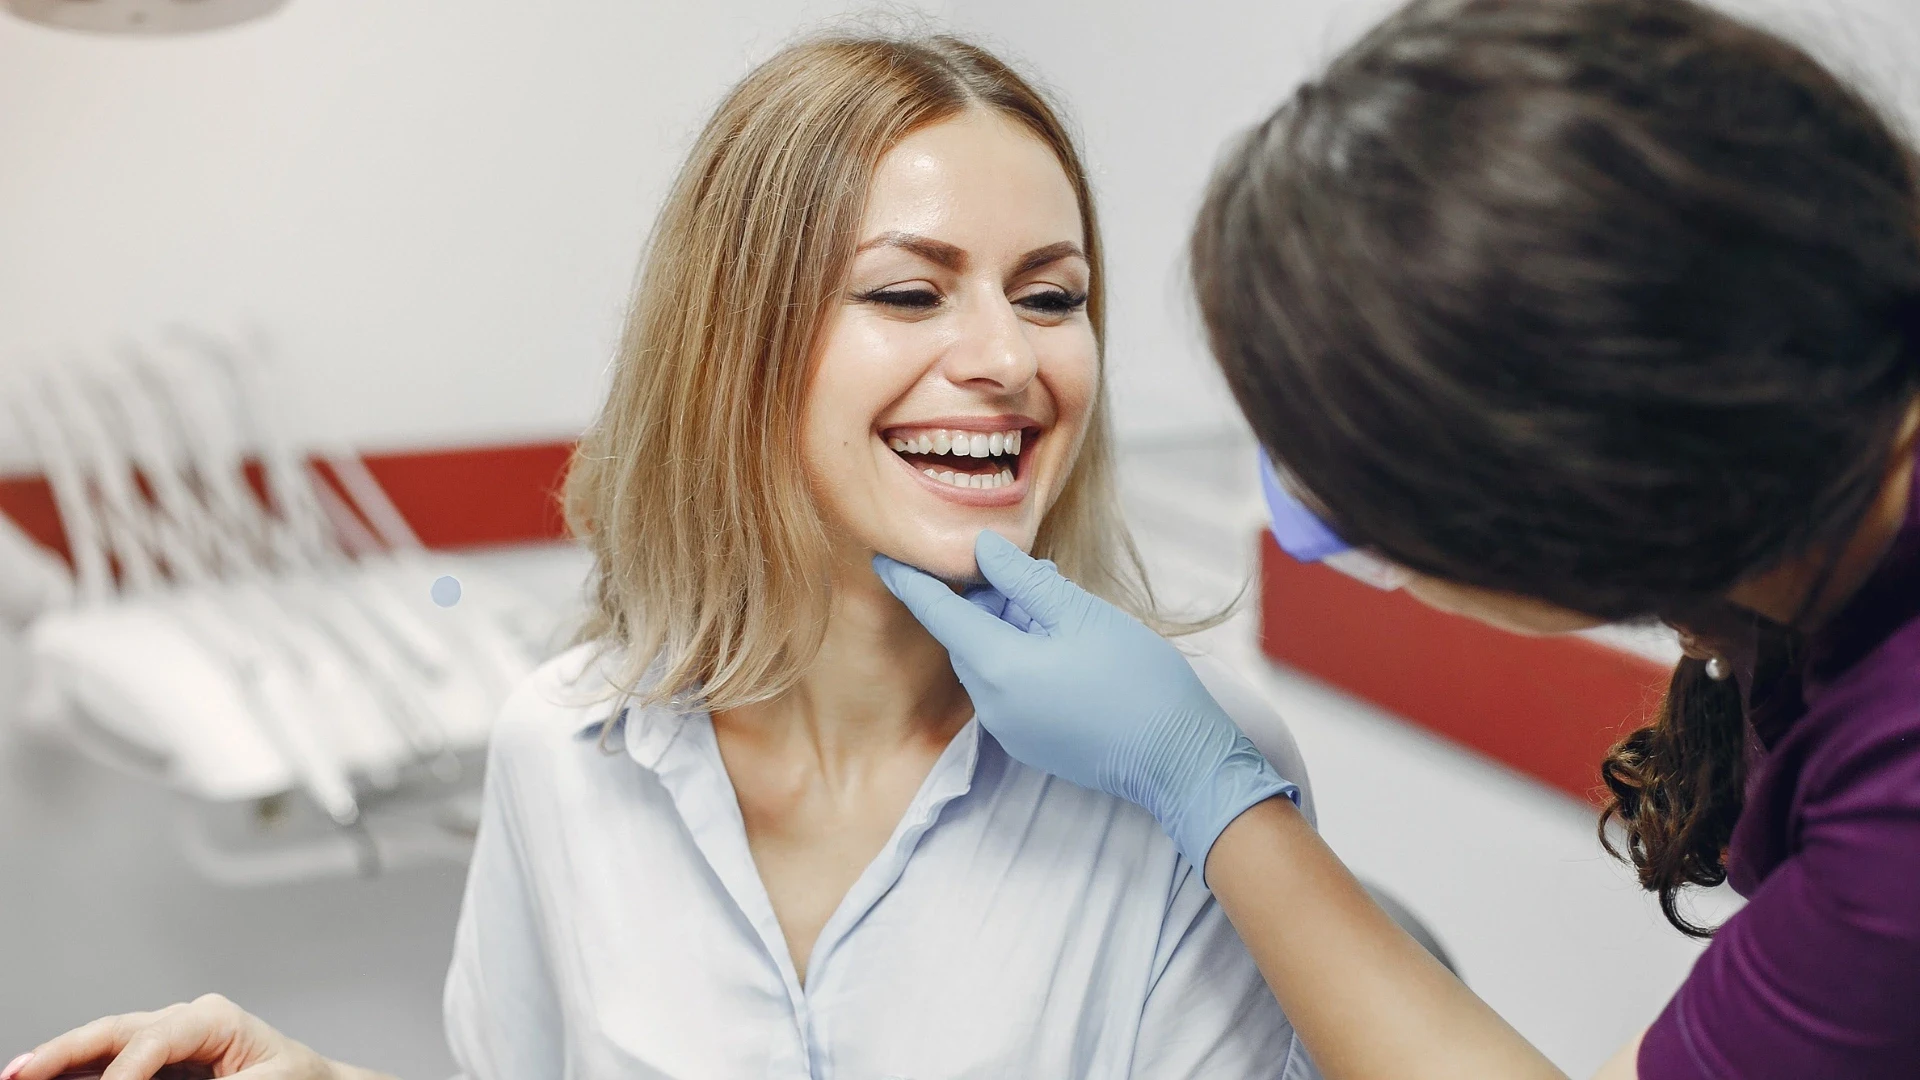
[{"x": 1013, "y": 926}]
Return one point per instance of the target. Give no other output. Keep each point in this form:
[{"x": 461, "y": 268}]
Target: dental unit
[{"x": 248, "y": 644}]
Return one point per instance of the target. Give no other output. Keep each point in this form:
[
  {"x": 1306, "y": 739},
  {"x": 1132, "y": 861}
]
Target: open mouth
[{"x": 982, "y": 460}]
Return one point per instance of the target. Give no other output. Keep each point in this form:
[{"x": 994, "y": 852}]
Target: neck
[
  {"x": 1808, "y": 591},
  {"x": 880, "y": 684}
]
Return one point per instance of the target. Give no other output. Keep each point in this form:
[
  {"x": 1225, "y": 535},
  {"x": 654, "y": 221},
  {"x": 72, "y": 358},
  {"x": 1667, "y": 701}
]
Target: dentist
[{"x": 1556, "y": 312}]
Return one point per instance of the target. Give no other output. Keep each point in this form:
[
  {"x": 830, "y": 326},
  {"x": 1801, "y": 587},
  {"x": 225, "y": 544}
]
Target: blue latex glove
[{"x": 1074, "y": 686}]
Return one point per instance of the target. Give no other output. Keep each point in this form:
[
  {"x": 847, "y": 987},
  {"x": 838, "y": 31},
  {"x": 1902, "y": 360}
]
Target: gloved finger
[
  {"x": 1036, "y": 585},
  {"x": 988, "y": 599},
  {"x": 966, "y": 630}
]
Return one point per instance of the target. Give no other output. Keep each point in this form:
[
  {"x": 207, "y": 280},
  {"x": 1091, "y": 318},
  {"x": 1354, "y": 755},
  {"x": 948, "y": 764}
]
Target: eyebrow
[
  {"x": 934, "y": 251},
  {"x": 1052, "y": 253},
  {"x": 952, "y": 258}
]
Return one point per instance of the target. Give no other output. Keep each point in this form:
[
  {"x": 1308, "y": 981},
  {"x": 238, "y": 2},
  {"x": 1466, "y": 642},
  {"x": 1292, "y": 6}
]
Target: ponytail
[{"x": 1676, "y": 789}]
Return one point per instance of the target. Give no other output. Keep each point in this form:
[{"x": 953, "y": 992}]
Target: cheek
[
  {"x": 856, "y": 375},
  {"x": 1071, "y": 373}
]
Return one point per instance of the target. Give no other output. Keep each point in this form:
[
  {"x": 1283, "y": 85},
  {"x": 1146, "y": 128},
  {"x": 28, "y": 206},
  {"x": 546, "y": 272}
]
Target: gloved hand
[{"x": 1074, "y": 686}]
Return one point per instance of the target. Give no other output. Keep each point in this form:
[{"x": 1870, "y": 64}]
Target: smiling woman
[
  {"x": 872, "y": 241},
  {"x": 748, "y": 826},
  {"x": 965, "y": 330}
]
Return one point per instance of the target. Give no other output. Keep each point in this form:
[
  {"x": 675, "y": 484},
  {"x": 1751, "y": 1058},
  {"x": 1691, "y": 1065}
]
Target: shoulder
[
  {"x": 560, "y": 699},
  {"x": 1251, "y": 709},
  {"x": 1869, "y": 720}
]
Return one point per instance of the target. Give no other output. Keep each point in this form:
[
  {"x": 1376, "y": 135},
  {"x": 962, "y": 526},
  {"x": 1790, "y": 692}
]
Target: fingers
[
  {"x": 198, "y": 1032},
  {"x": 988, "y": 599},
  {"x": 98, "y": 1041},
  {"x": 1035, "y": 585},
  {"x": 140, "y": 1045},
  {"x": 957, "y": 623}
]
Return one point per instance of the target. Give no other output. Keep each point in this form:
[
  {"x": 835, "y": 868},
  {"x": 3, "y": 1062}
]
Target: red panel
[
  {"x": 469, "y": 497},
  {"x": 478, "y": 496},
  {"x": 29, "y": 502},
  {"x": 1549, "y": 707}
]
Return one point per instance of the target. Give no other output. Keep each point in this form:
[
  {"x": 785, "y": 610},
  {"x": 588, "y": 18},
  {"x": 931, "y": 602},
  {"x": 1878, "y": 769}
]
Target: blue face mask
[{"x": 1304, "y": 536}]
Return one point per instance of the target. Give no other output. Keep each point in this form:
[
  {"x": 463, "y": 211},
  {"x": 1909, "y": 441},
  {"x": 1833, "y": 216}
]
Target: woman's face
[{"x": 953, "y": 381}]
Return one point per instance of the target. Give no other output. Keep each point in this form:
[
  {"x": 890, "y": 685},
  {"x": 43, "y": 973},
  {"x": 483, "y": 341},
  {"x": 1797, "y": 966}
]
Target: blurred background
[{"x": 416, "y": 222}]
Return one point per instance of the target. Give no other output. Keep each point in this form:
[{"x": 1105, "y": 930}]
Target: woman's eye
[
  {"x": 908, "y": 299},
  {"x": 1053, "y": 302}
]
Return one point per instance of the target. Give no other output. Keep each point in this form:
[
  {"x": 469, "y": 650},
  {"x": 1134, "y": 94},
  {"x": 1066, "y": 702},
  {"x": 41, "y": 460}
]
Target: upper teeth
[{"x": 959, "y": 443}]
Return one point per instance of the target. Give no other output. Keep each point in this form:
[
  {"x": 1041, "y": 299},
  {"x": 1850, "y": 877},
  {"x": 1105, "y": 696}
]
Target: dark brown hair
[{"x": 1602, "y": 302}]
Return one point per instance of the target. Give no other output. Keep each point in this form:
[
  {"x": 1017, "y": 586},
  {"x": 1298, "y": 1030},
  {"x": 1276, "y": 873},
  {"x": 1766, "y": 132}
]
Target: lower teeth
[{"x": 972, "y": 480}]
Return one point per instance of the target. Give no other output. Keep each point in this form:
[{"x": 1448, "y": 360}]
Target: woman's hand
[{"x": 211, "y": 1037}]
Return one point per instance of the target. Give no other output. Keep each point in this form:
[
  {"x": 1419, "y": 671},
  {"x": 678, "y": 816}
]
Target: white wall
[
  {"x": 435, "y": 205},
  {"x": 1157, "y": 90}
]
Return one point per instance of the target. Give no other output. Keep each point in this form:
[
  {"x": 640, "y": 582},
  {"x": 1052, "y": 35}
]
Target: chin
[
  {"x": 948, "y": 558},
  {"x": 951, "y": 564}
]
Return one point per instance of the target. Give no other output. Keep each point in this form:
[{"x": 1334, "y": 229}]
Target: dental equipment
[
  {"x": 504, "y": 638},
  {"x": 239, "y": 637},
  {"x": 260, "y": 660}
]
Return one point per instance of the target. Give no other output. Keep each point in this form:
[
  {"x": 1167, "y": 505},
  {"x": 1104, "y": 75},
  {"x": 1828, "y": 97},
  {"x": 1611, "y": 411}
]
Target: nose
[{"x": 992, "y": 352}]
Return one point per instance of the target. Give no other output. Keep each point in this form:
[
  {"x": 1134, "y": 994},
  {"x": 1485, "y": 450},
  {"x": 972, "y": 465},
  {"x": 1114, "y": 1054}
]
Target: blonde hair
[{"x": 711, "y": 560}]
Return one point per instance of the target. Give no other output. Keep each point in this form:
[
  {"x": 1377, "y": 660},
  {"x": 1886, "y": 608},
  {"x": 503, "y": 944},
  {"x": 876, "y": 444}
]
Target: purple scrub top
[{"x": 1819, "y": 975}]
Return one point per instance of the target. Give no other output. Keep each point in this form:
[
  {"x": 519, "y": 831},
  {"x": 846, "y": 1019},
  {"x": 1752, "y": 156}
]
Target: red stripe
[
  {"x": 1549, "y": 707},
  {"x": 470, "y": 497},
  {"x": 478, "y": 496}
]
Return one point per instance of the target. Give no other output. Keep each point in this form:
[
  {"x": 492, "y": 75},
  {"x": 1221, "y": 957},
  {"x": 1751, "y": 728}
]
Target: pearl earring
[{"x": 1717, "y": 669}]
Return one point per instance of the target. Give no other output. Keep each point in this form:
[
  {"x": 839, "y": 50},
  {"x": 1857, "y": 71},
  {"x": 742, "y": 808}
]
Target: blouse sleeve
[
  {"x": 502, "y": 1012},
  {"x": 1819, "y": 975},
  {"x": 1208, "y": 1013}
]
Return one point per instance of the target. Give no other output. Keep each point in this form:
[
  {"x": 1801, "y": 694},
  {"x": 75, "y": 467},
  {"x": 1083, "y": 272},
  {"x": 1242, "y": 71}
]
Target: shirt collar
[{"x": 643, "y": 732}]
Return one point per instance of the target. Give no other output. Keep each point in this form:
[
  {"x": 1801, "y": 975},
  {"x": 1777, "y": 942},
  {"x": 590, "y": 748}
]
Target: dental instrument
[{"x": 239, "y": 636}]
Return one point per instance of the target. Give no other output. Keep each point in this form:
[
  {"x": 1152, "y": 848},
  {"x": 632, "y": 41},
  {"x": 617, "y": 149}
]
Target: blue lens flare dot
[{"x": 446, "y": 591}]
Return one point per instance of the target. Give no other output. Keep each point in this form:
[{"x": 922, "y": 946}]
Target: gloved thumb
[{"x": 1034, "y": 585}]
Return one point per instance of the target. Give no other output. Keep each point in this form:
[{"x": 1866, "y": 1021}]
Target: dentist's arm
[{"x": 1088, "y": 693}]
